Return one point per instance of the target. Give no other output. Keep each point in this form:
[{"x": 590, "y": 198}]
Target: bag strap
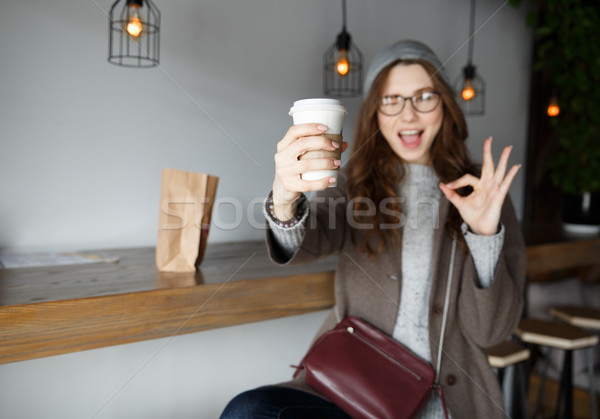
[{"x": 443, "y": 329}]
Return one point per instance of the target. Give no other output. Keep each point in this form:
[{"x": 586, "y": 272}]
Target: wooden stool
[
  {"x": 588, "y": 318},
  {"x": 584, "y": 317},
  {"x": 505, "y": 357},
  {"x": 557, "y": 335}
]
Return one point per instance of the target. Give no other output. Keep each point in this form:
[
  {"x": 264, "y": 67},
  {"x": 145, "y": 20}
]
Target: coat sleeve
[
  {"x": 325, "y": 228},
  {"x": 488, "y": 316}
]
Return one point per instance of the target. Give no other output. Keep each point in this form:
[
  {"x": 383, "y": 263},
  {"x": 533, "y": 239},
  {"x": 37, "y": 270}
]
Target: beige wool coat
[{"x": 477, "y": 318}]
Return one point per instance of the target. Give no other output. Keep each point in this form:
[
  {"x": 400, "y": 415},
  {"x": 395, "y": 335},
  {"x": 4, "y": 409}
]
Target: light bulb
[
  {"x": 342, "y": 65},
  {"x": 134, "y": 24},
  {"x": 468, "y": 92},
  {"x": 553, "y": 108}
]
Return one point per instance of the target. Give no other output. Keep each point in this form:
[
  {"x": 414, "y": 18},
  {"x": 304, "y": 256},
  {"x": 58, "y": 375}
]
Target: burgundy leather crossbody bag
[{"x": 368, "y": 374}]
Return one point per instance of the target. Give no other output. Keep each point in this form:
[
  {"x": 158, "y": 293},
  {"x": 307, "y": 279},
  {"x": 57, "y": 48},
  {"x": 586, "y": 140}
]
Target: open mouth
[{"x": 410, "y": 138}]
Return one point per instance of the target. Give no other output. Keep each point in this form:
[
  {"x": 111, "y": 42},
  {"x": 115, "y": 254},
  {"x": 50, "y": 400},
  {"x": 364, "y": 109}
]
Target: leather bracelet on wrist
[{"x": 292, "y": 222}]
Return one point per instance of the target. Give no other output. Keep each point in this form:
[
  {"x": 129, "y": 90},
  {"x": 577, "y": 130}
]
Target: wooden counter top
[
  {"x": 55, "y": 310},
  {"x": 576, "y": 257}
]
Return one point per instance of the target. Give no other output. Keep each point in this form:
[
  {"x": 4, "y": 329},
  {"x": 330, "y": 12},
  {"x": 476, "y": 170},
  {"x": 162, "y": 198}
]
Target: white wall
[
  {"x": 189, "y": 376},
  {"x": 83, "y": 142}
]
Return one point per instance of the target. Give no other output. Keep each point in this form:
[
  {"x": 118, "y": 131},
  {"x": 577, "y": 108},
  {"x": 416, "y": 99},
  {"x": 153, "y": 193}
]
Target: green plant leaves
[{"x": 568, "y": 51}]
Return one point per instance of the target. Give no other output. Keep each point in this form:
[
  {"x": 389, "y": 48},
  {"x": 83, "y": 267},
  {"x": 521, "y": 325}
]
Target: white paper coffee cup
[{"x": 329, "y": 112}]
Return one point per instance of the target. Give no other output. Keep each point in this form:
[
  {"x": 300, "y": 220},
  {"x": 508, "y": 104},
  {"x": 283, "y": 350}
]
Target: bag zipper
[{"x": 350, "y": 330}]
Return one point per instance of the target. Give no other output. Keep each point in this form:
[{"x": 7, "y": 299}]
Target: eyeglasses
[{"x": 422, "y": 102}]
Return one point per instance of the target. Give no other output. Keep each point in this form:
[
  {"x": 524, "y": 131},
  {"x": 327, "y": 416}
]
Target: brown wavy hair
[{"x": 374, "y": 172}]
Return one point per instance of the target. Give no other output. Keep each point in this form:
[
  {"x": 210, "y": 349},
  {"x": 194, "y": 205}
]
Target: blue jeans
[{"x": 276, "y": 402}]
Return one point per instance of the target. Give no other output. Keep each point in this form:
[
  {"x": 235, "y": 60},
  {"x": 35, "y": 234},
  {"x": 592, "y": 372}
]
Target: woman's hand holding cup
[
  {"x": 308, "y": 157},
  {"x": 288, "y": 183}
]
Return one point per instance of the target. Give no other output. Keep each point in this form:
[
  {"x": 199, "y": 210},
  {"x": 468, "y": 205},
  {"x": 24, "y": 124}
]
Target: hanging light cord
[
  {"x": 471, "y": 30},
  {"x": 344, "y": 15}
]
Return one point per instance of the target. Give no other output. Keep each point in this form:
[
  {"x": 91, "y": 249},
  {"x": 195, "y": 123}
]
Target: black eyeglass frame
[{"x": 412, "y": 101}]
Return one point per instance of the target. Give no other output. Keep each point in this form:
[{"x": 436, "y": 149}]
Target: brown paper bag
[{"x": 186, "y": 201}]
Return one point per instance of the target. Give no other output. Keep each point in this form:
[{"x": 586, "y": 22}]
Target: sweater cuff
[
  {"x": 485, "y": 251},
  {"x": 287, "y": 236}
]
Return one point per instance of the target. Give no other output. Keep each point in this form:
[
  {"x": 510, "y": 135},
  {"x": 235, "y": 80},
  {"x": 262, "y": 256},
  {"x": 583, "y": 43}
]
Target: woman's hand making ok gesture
[{"x": 481, "y": 208}]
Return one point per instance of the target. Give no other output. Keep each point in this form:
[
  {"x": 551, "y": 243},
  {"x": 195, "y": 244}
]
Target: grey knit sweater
[{"x": 421, "y": 197}]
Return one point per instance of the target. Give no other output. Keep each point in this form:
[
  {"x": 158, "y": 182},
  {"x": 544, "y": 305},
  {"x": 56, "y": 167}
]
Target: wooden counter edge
[
  {"x": 51, "y": 328},
  {"x": 543, "y": 258}
]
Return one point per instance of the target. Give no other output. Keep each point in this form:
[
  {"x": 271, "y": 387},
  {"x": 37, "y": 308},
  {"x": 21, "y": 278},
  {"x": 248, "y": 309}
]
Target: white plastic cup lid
[{"x": 317, "y": 104}]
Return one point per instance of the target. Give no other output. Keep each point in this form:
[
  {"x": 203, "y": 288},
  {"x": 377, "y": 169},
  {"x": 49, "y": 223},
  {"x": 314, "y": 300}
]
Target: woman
[{"x": 408, "y": 190}]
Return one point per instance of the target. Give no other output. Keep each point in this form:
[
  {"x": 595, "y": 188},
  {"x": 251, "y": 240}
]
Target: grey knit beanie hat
[{"x": 401, "y": 50}]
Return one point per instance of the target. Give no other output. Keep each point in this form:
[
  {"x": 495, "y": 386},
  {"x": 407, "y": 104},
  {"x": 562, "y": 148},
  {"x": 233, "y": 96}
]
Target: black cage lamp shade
[
  {"x": 343, "y": 64},
  {"x": 134, "y": 33},
  {"x": 469, "y": 86}
]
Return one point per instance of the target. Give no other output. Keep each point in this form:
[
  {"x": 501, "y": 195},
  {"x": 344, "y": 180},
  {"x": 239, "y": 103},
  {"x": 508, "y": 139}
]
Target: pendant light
[
  {"x": 343, "y": 63},
  {"x": 133, "y": 36},
  {"x": 469, "y": 86},
  {"x": 553, "y": 108}
]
